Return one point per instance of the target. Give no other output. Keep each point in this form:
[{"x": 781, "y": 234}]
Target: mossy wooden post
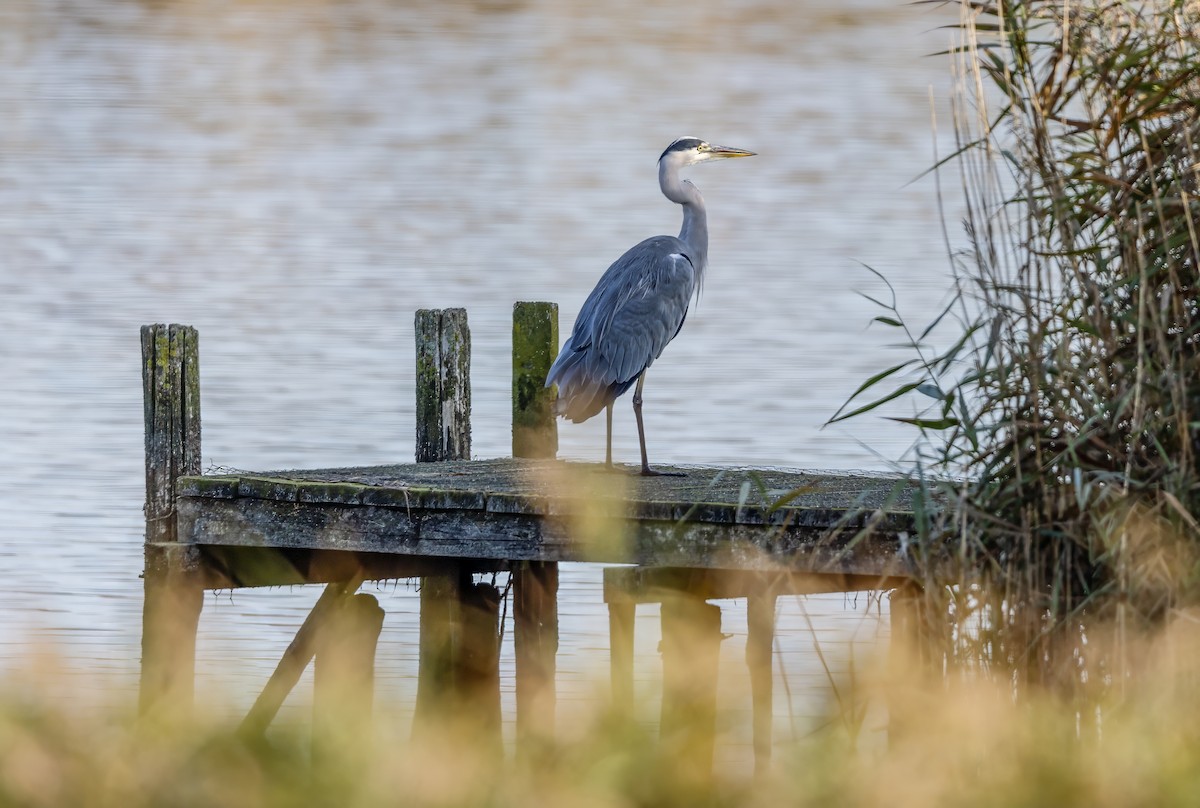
[
  {"x": 691, "y": 645},
  {"x": 443, "y": 344},
  {"x": 535, "y": 586},
  {"x": 760, "y": 636},
  {"x": 534, "y": 346},
  {"x": 443, "y": 385},
  {"x": 344, "y": 676},
  {"x": 173, "y": 592}
]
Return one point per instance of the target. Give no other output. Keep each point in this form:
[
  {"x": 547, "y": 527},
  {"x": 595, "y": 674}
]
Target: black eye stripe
[{"x": 683, "y": 144}]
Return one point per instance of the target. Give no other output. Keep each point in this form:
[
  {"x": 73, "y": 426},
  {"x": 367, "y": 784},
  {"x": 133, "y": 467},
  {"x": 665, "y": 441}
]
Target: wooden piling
[
  {"x": 172, "y": 584},
  {"x": 439, "y": 626},
  {"x": 760, "y": 636},
  {"x": 535, "y": 584},
  {"x": 534, "y": 346},
  {"x": 295, "y": 658},
  {"x": 691, "y": 646},
  {"x": 173, "y": 596},
  {"x": 443, "y": 343},
  {"x": 171, "y": 404},
  {"x": 535, "y": 640},
  {"x": 344, "y": 676},
  {"x": 477, "y": 663}
]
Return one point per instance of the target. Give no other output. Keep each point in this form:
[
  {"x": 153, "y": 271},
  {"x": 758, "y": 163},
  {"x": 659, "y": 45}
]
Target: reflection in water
[{"x": 295, "y": 179}]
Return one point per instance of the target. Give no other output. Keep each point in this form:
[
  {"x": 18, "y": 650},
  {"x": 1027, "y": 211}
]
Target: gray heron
[{"x": 639, "y": 304}]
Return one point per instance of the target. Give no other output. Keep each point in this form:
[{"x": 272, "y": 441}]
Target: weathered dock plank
[{"x": 549, "y": 510}]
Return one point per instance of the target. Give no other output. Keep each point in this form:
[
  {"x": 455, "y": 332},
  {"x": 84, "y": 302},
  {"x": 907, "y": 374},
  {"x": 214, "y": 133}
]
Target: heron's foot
[{"x": 649, "y": 472}]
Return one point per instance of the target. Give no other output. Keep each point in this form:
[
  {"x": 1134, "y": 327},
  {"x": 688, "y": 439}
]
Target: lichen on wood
[
  {"x": 443, "y": 361},
  {"x": 534, "y": 345},
  {"x": 171, "y": 406}
]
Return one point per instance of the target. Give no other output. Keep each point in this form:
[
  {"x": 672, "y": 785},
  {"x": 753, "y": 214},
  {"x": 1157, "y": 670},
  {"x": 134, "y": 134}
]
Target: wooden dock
[
  {"x": 498, "y": 512},
  {"x": 714, "y": 533}
]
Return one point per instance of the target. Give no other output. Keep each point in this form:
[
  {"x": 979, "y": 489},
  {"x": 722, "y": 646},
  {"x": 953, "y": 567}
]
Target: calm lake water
[{"x": 296, "y": 178}]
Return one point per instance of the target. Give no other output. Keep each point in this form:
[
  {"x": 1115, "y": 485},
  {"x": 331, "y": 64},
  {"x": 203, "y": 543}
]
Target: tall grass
[
  {"x": 1059, "y": 445},
  {"x": 960, "y": 745}
]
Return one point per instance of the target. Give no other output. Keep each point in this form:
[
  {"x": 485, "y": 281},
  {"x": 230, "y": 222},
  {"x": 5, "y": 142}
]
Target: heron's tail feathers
[
  {"x": 580, "y": 393},
  {"x": 582, "y": 402}
]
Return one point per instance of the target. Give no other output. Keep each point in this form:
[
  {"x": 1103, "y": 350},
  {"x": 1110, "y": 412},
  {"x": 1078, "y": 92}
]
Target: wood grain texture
[
  {"x": 171, "y": 408},
  {"x": 443, "y": 345}
]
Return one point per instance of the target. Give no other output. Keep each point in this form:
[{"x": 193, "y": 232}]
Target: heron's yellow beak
[{"x": 728, "y": 151}]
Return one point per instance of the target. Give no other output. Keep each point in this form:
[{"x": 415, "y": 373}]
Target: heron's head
[{"x": 687, "y": 151}]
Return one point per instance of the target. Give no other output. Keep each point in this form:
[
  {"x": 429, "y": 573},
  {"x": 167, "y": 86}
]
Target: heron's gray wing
[
  {"x": 648, "y": 314},
  {"x": 636, "y": 308}
]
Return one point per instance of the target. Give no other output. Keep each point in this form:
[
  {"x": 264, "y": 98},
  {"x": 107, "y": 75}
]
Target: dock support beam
[
  {"x": 683, "y": 592},
  {"x": 173, "y": 597},
  {"x": 535, "y": 637},
  {"x": 296, "y": 657},
  {"x": 458, "y": 678},
  {"x": 477, "y": 664},
  {"x": 344, "y": 676},
  {"x": 173, "y": 588},
  {"x": 439, "y": 621}
]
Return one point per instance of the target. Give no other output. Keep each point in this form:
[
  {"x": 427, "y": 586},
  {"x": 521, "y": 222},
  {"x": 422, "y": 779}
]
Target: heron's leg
[
  {"x": 608, "y": 437},
  {"x": 637, "y": 413}
]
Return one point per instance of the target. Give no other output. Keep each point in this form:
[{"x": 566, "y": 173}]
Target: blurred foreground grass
[{"x": 954, "y": 741}]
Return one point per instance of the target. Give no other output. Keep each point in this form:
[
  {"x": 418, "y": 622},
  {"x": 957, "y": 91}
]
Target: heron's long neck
[{"x": 694, "y": 232}]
